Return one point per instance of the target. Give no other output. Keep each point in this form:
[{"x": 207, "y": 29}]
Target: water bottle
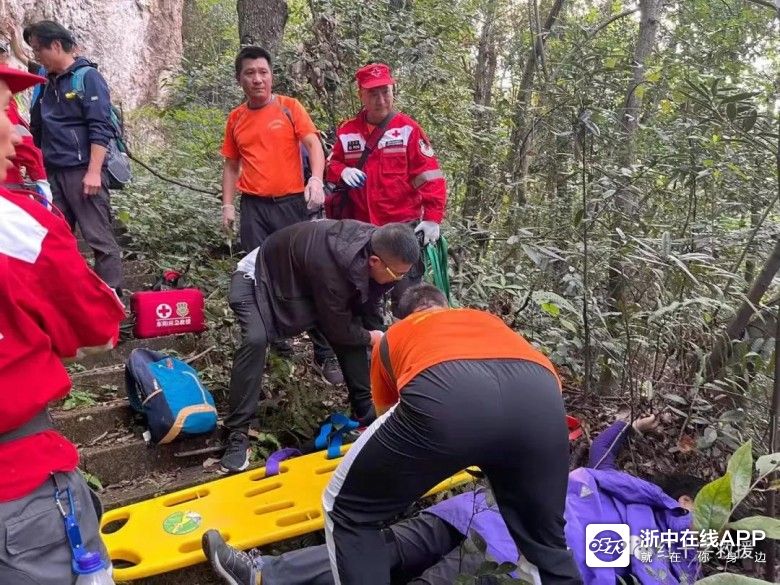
[{"x": 90, "y": 570}]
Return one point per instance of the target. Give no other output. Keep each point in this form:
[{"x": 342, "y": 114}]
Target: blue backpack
[{"x": 169, "y": 394}]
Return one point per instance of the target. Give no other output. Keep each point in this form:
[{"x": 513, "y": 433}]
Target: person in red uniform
[
  {"x": 52, "y": 307},
  {"x": 400, "y": 179},
  {"x": 457, "y": 388},
  {"x": 28, "y": 171}
]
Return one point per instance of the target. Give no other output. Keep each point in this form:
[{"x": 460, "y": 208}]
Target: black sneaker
[
  {"x": 234, "y": 566},
  {"x": 330, "y": 371},
  {"x": 283, "y": 348},
  {"x": 236, "y": 457}
]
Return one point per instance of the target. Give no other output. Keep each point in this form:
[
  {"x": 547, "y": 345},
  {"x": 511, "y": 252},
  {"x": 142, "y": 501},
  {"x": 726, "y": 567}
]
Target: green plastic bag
[{"x": 435, "y": 257}]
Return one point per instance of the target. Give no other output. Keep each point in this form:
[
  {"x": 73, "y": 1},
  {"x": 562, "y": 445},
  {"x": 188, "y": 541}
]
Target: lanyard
[{"x": 71, "y": 524}]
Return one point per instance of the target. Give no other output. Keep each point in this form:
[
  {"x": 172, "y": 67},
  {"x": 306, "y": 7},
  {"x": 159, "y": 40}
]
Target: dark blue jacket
[{"x": 64, "y": 125}]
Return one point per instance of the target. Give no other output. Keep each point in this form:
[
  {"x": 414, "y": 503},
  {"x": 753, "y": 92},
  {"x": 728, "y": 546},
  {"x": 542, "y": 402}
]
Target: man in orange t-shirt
[
  {"x": 457, "y": 388},
  {"x": 262, "y": 150},
  {"x": 263, "y": 157}
]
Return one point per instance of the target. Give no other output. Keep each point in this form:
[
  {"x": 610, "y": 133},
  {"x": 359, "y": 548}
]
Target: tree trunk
[
  {"x": 517, "y": 163},
  {"x": 736, "y": 326},
  {"x": 262, "y": 23},
  {"x": 625, "y": 197},
  {"x": 484, "y": 77}
]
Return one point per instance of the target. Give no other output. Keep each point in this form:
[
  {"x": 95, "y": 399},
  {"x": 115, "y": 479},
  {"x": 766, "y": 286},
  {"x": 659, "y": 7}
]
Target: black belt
[
  {"x": 37, "y": 424},
  {"x": 272, "y": 198}
]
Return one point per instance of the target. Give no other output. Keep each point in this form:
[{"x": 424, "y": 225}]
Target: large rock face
[{"x": 136, "y": 43}]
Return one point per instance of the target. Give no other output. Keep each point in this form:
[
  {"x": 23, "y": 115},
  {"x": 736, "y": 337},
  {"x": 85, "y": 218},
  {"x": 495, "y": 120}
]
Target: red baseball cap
[
  {"x": 19, "y": 80},
  {"x": 374, "y": 75}
]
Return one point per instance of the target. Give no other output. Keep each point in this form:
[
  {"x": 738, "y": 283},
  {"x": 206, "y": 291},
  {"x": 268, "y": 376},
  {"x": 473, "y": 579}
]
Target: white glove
[
  {"x": 314, "y": 193},
  {"x": 353, "y": 177},
  {"x": 228, "y": 216},
  {"x": 44, "y": 189},
  {"x": 430, "y": 230}
]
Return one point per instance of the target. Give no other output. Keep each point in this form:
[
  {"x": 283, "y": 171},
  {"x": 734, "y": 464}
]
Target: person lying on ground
[
  {"x": 326, "y": 274},
  {"x": 429, "y": 549}
]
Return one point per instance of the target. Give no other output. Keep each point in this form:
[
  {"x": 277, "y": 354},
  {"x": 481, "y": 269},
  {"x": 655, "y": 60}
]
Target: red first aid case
[{"x": 167, "y": 312}]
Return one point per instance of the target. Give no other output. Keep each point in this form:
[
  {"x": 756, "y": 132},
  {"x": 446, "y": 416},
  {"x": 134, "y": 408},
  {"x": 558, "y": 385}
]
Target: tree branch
[
  {"x": 612, "y": 19},
  {"x": 764, "y": 3}
]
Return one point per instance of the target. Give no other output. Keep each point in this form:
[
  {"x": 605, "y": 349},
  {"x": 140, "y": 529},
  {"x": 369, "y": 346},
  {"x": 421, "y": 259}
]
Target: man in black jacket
[
  {"x": 329, "y": 274},
  {"x": 73, "y": 129}
]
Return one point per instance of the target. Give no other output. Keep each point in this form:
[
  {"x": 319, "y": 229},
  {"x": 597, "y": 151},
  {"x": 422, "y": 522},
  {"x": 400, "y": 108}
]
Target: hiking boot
[
  {"x": 283, "y": 348},
  {"x": 330, "y": 371},
  {"x": 236, "y": 457},
  {"x": 235, "y": 567}
]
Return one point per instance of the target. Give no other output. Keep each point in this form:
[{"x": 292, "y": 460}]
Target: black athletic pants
[
  {"x": 424, "y": 550},
  {"x": 262, "y": 216},
  {"x": 249, "y": 360},
  {"x": 506, "y": 416}
]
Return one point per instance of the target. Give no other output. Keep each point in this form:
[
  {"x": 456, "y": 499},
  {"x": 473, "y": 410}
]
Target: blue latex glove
[
  {"x": 430, "y": 230},
  {"x": 353, "y": 177}
]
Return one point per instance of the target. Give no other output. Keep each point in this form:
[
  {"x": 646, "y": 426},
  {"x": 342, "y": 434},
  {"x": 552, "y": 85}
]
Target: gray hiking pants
[
  {"x": 94, "y": 218},
  {"x": 35, "y": 550}
]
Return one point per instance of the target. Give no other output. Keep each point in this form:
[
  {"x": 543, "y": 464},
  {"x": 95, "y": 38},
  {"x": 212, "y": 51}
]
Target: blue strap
[
  {"x": 275, "y": 458},
  {"x": 71, "y": 525},
  {"x": 331, "y": 435}
]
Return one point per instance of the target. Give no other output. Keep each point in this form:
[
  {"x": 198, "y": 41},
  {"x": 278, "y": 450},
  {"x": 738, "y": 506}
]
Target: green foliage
[
  {"x": 92, "y": 480},
  {"x": 771, "y": 526},
  {"x": 78, "y": 398},
  {"x": 730, "y": 579},
  {"x": 740, "y": 470},
  {"x": 717, "y": 500},
  {"x": 712, "y": 506}
]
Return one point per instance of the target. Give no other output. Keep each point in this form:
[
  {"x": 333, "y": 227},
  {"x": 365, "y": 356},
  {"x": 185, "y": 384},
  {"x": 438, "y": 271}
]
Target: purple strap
[{"x": 273, "y": 461}]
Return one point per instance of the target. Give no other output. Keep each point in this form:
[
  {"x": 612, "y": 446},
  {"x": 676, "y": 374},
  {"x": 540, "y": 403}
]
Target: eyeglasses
[{"x": 392, "y": 273}]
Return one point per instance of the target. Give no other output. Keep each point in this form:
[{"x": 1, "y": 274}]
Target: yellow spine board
[{"x": 249, "y": 509}]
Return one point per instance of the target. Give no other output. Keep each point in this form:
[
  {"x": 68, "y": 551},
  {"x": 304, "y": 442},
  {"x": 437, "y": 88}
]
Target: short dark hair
[
  {"x": 396, "y": 241},
  {"x": 48, "y": 31},
  {"x": 419, "y": 297},
  {"x": 676, "y": 485},
  {"x": 251, "y": 53}
]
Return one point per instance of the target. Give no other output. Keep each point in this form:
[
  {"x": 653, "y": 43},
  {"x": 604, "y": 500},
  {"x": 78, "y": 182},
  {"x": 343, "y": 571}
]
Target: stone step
[
  {"x": 128, "y": 457},
  {"x": 183, "y": 344},
  {"x": 133, "y": 267},
  {"x": 87, "y": 425},
  {"x": 155, "y": 484},
  {"x": 137, "y": 282}
]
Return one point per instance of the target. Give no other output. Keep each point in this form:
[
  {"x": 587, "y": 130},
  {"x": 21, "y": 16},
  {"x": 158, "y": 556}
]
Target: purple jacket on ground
[{"x": 600, "y": 495}]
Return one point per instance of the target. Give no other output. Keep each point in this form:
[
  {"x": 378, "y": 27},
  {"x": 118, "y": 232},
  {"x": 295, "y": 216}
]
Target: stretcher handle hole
[
  {"x": 191, "y": 546},
  {"x": 263, "y": 489},
  {"x": 114, "y": 525},
  {"x": 293, "y": 519},
  {"x": 275, "y": 507},
  {"x": 326, "y": 469},
  {"x": 124, "y": 559},
  {"x": 186, "y": 496},
  {"x": 257, "y": 476}
]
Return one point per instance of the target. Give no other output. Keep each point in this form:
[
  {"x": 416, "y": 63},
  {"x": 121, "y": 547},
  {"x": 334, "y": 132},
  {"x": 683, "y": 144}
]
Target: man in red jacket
[
  {"x": 399, "y": 180},
  {"x": 52, "y": 307}
]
